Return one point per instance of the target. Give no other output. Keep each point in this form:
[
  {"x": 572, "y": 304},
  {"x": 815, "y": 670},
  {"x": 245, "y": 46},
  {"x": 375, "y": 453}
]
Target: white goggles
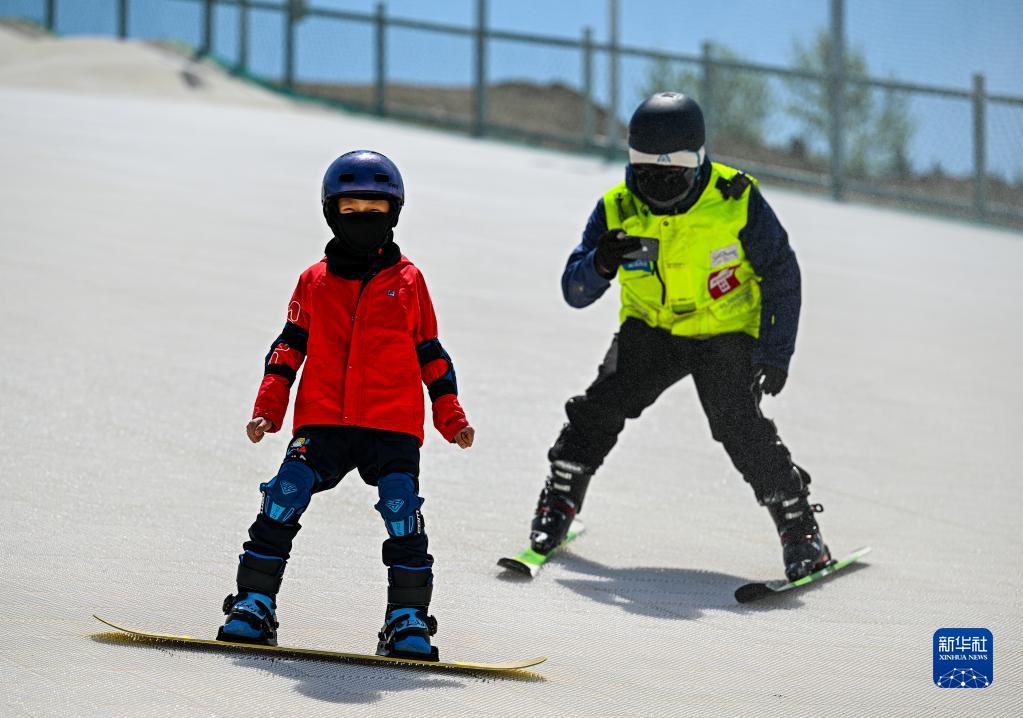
[{"x": 682, "y": 158}]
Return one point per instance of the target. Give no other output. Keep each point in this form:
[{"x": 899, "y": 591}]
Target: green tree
[
  {"x": 738, "y": 104},
  {"x": 811, "y": 102},
  {"x": 876, "y": 139},
  {"x": 894, "y": 130}
]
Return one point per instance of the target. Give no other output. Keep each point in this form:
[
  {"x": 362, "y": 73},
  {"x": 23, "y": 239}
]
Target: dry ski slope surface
[{"x": 147, "y": 252}]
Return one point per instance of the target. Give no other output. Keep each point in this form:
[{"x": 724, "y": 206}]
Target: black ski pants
[{"x": 641, "y": 363}]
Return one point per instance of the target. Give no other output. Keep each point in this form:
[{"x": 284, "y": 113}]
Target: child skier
[{"x": 363, "y": 321}]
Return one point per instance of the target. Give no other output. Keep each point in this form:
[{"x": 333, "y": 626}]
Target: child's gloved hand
[
  {"x": 450, "y": 421},
  {"x": 256, "y": 428}
]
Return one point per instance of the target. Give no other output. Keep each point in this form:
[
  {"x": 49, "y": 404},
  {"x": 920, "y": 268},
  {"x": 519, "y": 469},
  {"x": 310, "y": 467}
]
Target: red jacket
[{"x": 367, "y": 349}]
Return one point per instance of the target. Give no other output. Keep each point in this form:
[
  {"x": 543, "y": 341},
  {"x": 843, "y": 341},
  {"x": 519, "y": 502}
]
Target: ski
[
  {"x": 529, "y": 562},
  {"x": 754, "y": 591},
  {"x": 284, "y": 651}
]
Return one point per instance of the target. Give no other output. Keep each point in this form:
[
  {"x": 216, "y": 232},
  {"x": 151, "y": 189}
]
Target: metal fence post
[
  {"x": 122, "y": 19},
  {"x": 587, "y": 62},
  {"x": 707, "y": 88},
  {"x": 479, "y": 119},
  {"x": 207, "y": 28},
  {"x": 243, "y": 36},
  {"x": 612, "y": 74},
  {"x": 50, "y": 15},
  {"x": 836, "y": 76},
  {"x": 979, "y": 147},
  {"x": 381, "y": 59},
  {"x": 293, "y": 13}
]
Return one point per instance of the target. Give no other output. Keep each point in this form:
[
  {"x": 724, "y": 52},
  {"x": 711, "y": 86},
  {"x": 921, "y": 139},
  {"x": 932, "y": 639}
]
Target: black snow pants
[
  {"x": 317, "y": 458},
  {"x": 641, "y": 363}
]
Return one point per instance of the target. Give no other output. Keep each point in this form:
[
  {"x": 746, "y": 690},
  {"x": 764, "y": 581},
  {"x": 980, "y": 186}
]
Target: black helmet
[
  {"x": 667, "y": 122},
  {"x": 666, "y": 148}
]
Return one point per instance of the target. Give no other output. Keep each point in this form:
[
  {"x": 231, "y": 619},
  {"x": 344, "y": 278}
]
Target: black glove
[
  {"x": 612, "y": 247},
  {"x": 769, "y": 379}
]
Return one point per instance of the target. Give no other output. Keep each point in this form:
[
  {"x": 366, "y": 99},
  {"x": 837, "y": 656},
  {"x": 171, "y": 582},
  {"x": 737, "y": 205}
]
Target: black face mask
[
  {"x": 664, "y": 187},
  {"x": 363, "y": 233}
]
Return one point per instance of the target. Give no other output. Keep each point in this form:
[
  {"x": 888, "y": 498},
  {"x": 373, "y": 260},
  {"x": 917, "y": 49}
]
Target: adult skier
[
  {"x": 710, "y": 288},
  {"x": 362, "y": 321}
]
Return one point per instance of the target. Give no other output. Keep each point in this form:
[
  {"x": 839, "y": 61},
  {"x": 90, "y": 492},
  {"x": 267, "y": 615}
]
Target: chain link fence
[{"x": 822, "y": 122}]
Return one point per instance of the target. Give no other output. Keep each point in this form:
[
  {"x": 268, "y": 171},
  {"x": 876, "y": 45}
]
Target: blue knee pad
[
  {"x": 399, "y": 505},
  {"x": 287, "y": 495}
]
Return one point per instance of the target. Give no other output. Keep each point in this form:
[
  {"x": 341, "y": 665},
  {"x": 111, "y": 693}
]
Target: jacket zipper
[
  {"x": 664, "y": 287},
  {"x": 355, "y": 313}
]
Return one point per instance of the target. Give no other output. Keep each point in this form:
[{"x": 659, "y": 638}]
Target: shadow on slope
[
  {"x": 680, "y": 593},
  {"x": 339, "y": 683}
]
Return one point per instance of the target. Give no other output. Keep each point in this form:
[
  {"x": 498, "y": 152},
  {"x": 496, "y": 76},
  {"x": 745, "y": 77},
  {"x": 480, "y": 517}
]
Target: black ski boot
[
  {"x": 803, "y": 548},
  {"x": 560, "y": 500},
  {"x": 407, "y": 626}
]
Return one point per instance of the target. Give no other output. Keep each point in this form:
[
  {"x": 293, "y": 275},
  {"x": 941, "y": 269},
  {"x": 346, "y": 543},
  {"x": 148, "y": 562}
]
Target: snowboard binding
[
  {"x": 251, "y": 618},
  {"x": 406, "y": 634}
]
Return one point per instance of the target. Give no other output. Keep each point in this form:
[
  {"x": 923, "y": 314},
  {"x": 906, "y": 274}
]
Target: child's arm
[
  {"x": 439, "y": 376},
  {"x": 281, "y": 366}
]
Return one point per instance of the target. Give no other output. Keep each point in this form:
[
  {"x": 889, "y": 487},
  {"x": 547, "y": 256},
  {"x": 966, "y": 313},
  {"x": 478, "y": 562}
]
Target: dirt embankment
[{"x": 520, "y": 107}]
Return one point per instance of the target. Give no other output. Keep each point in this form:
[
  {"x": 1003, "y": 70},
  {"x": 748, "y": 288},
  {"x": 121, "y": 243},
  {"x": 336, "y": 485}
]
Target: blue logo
[
  {"x": 638, "y": 265},
  {"x": 964, "y": 658}
]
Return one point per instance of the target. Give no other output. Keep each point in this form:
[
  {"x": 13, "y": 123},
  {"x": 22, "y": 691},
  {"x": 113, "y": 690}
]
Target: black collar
[{"x": 347, "y": 266}]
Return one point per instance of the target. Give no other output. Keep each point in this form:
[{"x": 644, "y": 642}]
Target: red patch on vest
[{"x": 722, "y": 282}]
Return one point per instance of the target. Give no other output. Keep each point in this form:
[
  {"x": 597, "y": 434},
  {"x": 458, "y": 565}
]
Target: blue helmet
[{"x": 363, "y": 173}]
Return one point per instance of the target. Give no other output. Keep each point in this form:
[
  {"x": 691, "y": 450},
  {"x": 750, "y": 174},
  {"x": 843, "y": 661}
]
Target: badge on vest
[
  {"x": 722, "y": 282},
  {"x": 638, "y": 265},
  {"x": 725, "y": 255}
]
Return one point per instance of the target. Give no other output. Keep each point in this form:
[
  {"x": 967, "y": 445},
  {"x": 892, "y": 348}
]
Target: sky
[{"x": 933, "y": 42}]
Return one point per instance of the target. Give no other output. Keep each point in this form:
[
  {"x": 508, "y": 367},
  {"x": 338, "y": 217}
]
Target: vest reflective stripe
[{"x": 701, "y": 284}]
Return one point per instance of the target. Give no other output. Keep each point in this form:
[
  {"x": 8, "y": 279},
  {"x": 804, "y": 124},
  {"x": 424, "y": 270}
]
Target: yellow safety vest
[{"x": 701, "y": 283}]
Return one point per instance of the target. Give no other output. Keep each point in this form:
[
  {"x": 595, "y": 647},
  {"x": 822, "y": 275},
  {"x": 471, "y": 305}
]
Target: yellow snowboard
[{"x": 503, "y": 667}]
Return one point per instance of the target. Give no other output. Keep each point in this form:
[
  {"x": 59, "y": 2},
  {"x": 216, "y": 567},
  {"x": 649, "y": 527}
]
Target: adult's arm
[
  {"x": 581, "y": 283},
  {"x": 767, "y": 247}
]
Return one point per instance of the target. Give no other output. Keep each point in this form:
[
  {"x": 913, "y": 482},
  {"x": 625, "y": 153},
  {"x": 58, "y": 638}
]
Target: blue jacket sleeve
[
  {"x": 581, "y": 284},
  {"x": 767, "y": 247}
]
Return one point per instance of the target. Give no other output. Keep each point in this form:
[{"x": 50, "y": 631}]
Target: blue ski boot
[
  {"x": 251, "y": 618},
  {"x": 407, "y": 626}
]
